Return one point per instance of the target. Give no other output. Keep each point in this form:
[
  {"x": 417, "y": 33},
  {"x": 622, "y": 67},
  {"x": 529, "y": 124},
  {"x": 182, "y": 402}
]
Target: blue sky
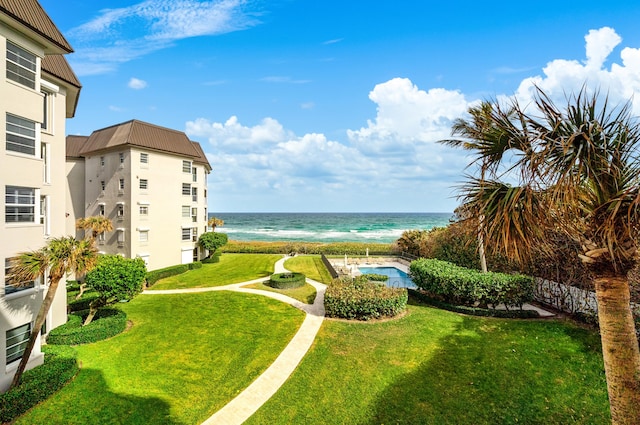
[{"x": 331, "y": 105}]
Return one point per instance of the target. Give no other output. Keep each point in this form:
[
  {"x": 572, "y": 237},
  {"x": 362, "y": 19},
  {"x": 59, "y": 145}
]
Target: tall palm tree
[
  {"x": 215, "y": 222},
  {"x": 577, "y": 170},
  {"x": 59, "y": 257},
  {"x": 96, "y": 224}
]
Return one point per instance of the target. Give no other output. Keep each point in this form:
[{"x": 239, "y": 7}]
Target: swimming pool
[{"x": 397, "y": 278}]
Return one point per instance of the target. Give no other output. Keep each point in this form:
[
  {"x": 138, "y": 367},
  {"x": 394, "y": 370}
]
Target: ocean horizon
[{"x": 326, "y": 227}]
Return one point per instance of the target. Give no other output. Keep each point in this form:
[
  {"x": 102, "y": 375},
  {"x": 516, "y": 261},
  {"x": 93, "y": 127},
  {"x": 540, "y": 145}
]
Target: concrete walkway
[{"x": 255, "y": 395}]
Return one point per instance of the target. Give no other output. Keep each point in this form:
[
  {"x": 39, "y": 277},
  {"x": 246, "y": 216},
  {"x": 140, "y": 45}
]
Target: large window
[
  {"x": 144, "y": 210},
  {"x": 17, "y": 340},
  {"x": 194, "y": 215},
  {"x": 186, "y": 233},
  {"x": 20, "y": 204},
  {"x": 144, "y": 236},
  {"x": 120, "y": 237},
  {"x": 186, "y": 209},
  {"x": 194, "y": 194},
  {"x": 21, "y": 66},
  {"x": 144, "y": 183},
  {"x": 195, "y": 174},
  {"x": 21, "y": 135},
  {"x": 186, "y": 167},
  {"x": 10, "y": 286},
  {"x": 186, "y": 189},
  {"x": 144, "y": 158}
]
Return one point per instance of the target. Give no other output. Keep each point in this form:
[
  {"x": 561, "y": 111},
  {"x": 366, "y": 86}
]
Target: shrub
[
  {"x": 107, "y": 323},
  {"x": 211, "y": 241},
  {"x": 286, "y": 280},
  {"x": 362, "y": 299},
  {"x": 83, "y": 303},
  {"x": 376, "y": 277},
  {"x": 60, "y": 365},
  {"x": 459, "y": 285},
  {"x": 215, "y": 258},
  {"x": 156, "y": 275},
  {"x": 287, "y": 247},
  {"x": 195, "y": 265}
]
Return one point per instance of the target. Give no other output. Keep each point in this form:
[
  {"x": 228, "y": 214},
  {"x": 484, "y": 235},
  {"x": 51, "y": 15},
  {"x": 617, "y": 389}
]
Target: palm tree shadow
[
  {"x": 103, "y": 406},
  {"x": 470, "y": 381}
]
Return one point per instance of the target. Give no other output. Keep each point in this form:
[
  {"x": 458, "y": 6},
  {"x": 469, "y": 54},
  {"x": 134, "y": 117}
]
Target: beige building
[
  {"x": 38, "y": 91},
  {"x": 150, "y": 181}
]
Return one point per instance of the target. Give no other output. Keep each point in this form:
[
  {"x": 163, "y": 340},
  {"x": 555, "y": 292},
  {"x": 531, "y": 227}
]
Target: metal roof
[
  {"x": 74, "y": 145},
  {"x": 202, "y": 158},
  {"x": 58, "y": 66},
  {"x": 33, "y": 16}
]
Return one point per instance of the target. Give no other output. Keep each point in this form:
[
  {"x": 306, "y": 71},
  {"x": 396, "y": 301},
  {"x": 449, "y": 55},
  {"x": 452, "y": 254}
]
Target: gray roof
[
  {"x": 30, "y": 14},
  {"x": 144, "y": 135}
]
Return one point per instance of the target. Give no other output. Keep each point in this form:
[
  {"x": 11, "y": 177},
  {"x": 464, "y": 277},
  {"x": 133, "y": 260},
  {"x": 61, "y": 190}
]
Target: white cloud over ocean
[{"x": 396, "y": 153}]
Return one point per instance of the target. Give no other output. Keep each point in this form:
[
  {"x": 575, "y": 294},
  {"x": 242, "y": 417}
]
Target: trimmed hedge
[
  {"x": 376, "y": 277},
  {"x": 458, "y": 285},
  {"x": 473, "y": 311},
  {"x": 38, "y": 384},
  {"x": 213, "y": 258},
  {"x": 286, "y": 280},
  {"x": 287, "y": 247},
  {"x": 108, "y": 322},
  {"x": 156, "y": 275},
  {"x": 82, "y": 303},
  {"x": 362, "y": 299},
  {"x": 195, "y": 265}
]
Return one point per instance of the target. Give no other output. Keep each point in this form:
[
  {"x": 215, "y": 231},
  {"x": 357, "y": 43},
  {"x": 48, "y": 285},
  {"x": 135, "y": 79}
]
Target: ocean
[{"x": 326, "y": 227}]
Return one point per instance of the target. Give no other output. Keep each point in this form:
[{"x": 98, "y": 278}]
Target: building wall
[
  {"x": 43, "y": 172},
  {"x": 75, "y": 204},
  {"x": 162, "y": 200}
]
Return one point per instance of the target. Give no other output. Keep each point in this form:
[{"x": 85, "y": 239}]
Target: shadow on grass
[
  {"x": 101, "y": 406},
  {"x": 494, "y": 372}
]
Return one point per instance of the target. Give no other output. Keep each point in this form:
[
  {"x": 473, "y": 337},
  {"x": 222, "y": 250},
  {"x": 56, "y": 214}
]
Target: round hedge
[
  {"x": 362, "y": 299},
  {"x": 108, "y": 322},
  {"x": 286, "y": 280}
]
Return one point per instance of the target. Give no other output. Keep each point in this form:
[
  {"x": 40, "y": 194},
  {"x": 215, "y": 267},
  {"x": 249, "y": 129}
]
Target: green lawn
[
  {"x": 232, "y": 268},
  {"x": 438, "y": 367},
  {"x": 311, "y": 266},
  {"x": 305, "y": 294},
  {"x": 185, "y": 357}
]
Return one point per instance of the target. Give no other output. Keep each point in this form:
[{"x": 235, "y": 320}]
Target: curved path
[{"x": 255, "y": 395}]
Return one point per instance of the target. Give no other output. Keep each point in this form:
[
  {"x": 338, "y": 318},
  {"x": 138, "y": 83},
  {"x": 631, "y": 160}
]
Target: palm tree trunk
[
  {"x": 619, "y": 348},
  {"x": 35, "y": 331},
  {"x": 483, "y": 258}
]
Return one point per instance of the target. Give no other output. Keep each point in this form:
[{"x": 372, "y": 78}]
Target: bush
[
  {"x": 156, "y": 275},
  {"x": 286, "y": 280},
  {"x": 462, "y": 286},
  {"x": 107, "y": 323},
  {"x": 82, "y": 303},
  {"x": 287, "y": 247},
  {"x": 211, "y": 241},
  {"x": 362, "y": 299},
  {"x": 60, "y": 365},
  {"x": 376, "y": 277},
  {"x": 195, "y": 265}
]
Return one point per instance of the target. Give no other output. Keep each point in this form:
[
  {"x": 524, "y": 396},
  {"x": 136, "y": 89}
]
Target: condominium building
[
  {"x": 150, "y": 181},
  {"x": 38, "y": 91}
]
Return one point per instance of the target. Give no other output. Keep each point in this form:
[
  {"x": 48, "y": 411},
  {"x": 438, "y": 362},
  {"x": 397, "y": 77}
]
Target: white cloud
[
  {"x": 137, "y": 84},
  {"x": 119, "y": 35}
]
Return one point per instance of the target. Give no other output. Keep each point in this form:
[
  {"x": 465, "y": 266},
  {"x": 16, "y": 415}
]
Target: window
[
  {"x": 195, "y": 174},
  {"x": 13, "y": 287},
  {"x": 17, "y": 340},
  {"x": 101, "y": 238},
  {"x": 102, "y": 161},
  {"x": 21, "y": 66},
  {"x": 186, "y": 210},
  {"x": 143, "y": 184},
  {"x": 144, "y": 236},
  {"x": 194, "y": 194},
  {"x": 186, "y": 167},
  {"x": 121, "y": 155},
  {"x": 120, "y": 237},
  {"x": 144, "y": 158},
  {"x": 186, "y": 189},
  {"x": 46, "y": 169},
  {"x": 120, "y": 210},
  {"x": 144, "y": 210},
  {"x": 186, "y": 233},
  {"x": 102, "y": 185},
  {"x": 194, "y": 234},
  {"x": 101, "y": 210},
  {"x": 121, "y": 184},
  {"x": 46, "y": 98},
  {"x": 205, "y": 194},
  {"x": 21, "y": 135},
  {"x": 194, "y": 215},
  {"x": 20, "y": 205},
  {"x": 44, "y": 217}
]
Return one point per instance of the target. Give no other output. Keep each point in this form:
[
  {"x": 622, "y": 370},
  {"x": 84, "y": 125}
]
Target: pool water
[{"x": 397, "y": 278}]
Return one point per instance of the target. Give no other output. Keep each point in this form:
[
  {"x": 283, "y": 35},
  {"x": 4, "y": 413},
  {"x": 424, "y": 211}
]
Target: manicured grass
[
  {"x": 305, "y": 294},
  {"x": 438, "y": 367},
  {"x": 232, "y": 268},
  {"x": 185, "y": 357},
  {"x": 311, "y": 266}
]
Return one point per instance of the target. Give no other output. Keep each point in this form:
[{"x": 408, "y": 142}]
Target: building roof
[
  {"x": 58, "y": 66},
  {"x": 30, "y": 14},
  {"x": 144, "y": 135},
  {"x": 74, "y": 145}
]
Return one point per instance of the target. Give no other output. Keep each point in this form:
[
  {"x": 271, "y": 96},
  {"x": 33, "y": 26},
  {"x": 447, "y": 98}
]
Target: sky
[{"x": 335, "y": 106}]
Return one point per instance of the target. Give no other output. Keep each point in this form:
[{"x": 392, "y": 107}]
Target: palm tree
[
  {"x": 576, "y": 170},
  {"x": 214, "y": 222},
  {"x": 97, "y": 224},
  {"x": 59, "y": 257}
]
